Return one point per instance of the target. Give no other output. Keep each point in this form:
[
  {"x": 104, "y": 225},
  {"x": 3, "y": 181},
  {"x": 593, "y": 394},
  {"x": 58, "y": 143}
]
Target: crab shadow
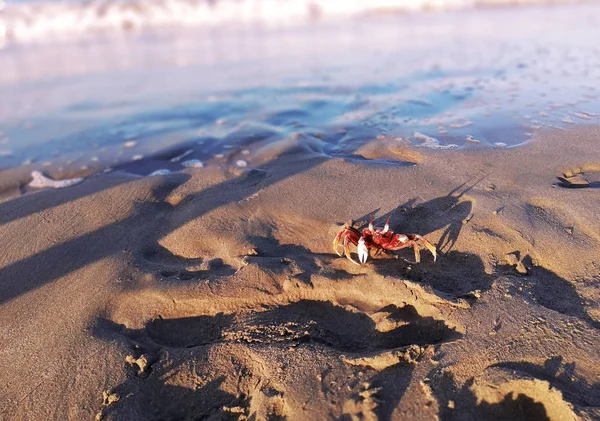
[
  {"x": 460, "y": 274},
  {"x": 445, "y": 212},
  {"x": 455, "y": 272}
]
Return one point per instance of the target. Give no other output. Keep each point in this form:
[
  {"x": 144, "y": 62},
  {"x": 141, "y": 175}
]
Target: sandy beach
[
  {"x": 173, "y": 174},
  {"x": 215, "y": 294}
]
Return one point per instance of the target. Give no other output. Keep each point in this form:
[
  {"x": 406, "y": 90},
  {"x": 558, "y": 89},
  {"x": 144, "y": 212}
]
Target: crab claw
[
  {"x": 363, "y": 252},
  {"x": 371, "y": 228}
]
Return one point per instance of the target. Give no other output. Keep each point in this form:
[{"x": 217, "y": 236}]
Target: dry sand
[{"x": 216, "y": 295}]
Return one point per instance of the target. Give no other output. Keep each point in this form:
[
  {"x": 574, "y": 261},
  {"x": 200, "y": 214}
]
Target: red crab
[{"x": 378, "y": 239}]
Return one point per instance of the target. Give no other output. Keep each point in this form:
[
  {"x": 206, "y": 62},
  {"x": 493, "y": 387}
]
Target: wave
[{"x": 39, "y": 21}]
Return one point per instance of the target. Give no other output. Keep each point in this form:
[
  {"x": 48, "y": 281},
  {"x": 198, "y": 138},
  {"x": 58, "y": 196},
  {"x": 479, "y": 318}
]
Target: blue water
[{"x": 473, "y": 79}]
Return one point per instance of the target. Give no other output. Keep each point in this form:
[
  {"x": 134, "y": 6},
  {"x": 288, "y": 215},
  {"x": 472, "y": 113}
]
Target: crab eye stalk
[
  {"x": 363, "y": 252},
  {"x": 387, "y": 225}
]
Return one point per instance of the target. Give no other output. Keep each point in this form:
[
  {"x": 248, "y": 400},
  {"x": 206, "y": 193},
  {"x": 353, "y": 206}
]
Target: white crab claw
[
  {"x": 363, "y": 252},
  {"x": 385, "y": 229}
]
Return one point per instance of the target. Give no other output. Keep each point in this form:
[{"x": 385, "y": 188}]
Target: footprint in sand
[
  {"x": 305, "y": 321},
  {"x": 235, "y": 363}
]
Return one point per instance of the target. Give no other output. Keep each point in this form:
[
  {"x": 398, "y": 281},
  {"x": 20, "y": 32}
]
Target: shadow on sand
[
  {"x": 460, "y": 403},
  {"x": 314, "y": 326}
]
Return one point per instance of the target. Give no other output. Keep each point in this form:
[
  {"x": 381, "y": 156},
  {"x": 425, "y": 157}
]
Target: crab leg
[
  {"x": 345, "y": 232},
  {"x": 349, "y": 234},
  {"x": 417, "y": 252},
  {"x": 401, "y": 241},
  {"x": 347, "y": 250},
  {"x": 336, "y": 242},
  {"x": 416, "y": 241}
]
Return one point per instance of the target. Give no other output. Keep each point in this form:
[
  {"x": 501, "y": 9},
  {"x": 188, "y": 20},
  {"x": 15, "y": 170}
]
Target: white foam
[
  {"x": 183, "y": 155},
  {"x": 40, "y": 181},
  {"x": 432, "y": 142},
  {"x": 193, "y": 163},
  {"x": 568, "y": 120},
  {"x": 583, "y": 116},
  {"x": 160, "y": 172}
]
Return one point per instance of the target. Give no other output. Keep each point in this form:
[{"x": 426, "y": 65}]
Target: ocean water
[{"x": 86, "y": 86}]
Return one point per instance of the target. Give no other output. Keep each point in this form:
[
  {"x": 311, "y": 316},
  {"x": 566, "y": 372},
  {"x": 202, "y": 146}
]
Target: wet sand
[{"x": 215, "y": 294}]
